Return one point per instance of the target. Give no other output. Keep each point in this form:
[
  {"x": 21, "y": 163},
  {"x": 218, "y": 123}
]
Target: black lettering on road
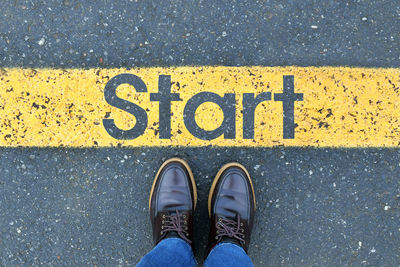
[
  {"x": 165, "y": 97},
  {"x": 288, "y": 97},
  {"x": 249, "y": 106},
  {"x": 112, "y": 99},
  {"x": 226, "y": 103}
]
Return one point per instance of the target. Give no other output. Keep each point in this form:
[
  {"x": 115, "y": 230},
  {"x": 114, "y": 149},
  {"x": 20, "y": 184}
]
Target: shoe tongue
[{"x": 172, "y": 234}]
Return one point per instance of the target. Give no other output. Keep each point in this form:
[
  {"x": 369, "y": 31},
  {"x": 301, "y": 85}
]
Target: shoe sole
[
  {"x": 186, "y": 165},
  {"x": 218, "y": 176}
]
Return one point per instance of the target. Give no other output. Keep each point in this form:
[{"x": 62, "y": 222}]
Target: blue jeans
[{"x": 176, "y": 252}]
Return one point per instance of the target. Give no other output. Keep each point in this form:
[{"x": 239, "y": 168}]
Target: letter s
[{"x": 112, "y": 99}]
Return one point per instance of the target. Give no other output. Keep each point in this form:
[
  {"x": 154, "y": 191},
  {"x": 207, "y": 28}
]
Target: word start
[{"x": 226, "y": 103}]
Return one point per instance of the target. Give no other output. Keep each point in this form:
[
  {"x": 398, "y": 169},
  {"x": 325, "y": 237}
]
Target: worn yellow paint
[{"x": 342, "y": 107}]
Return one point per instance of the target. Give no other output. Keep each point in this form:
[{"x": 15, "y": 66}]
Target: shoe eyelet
[
  {"x": 162, "y": 221},
  {"x": 242, "y": 230},
  {"x": 216, "y": 238},
  {"x": 163, "y": 216},
  {"x": 219, "y": 219},
  {"x": 162, "y": 227},
  {"x": 187, "y": 234},
  {"x": 184, "y": 216},
  {"x": 186, "y": 228},
  {"x": 241, "y": 224}
]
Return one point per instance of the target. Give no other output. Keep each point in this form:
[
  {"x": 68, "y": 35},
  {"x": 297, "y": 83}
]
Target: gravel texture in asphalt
[{"x": 83, "y": 207}]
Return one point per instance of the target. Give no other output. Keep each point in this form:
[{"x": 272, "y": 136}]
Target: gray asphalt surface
[{"x": 86, "y": 207}]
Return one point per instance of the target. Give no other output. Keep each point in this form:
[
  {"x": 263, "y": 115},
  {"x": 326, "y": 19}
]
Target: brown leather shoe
[
  {"x": 172, "y": 201},
  {"x": 231, "y": 206}
]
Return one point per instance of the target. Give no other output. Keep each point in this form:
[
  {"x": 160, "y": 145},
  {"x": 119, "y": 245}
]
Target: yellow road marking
[{"x": 341, "y": 106}]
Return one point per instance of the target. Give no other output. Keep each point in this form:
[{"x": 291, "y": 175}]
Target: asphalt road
[{"x": 86, "y": 207}]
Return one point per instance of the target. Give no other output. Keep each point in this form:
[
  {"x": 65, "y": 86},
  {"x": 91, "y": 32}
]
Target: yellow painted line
[{"x": 339, "y": 107}]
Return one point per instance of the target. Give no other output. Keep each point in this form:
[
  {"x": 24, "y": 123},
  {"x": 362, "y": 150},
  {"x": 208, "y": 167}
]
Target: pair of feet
[{"x": 231, "y": 204}]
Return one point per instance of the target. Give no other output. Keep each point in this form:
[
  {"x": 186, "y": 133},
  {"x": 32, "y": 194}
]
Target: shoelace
[
  {"x": 230, "y": 228},
  {"x": 176, "y": 223}
]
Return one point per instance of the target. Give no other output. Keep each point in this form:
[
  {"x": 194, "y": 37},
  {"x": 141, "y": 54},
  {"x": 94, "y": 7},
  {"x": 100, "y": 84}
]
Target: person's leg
[
  {"x": 172, "y": 252},
  {"x": 227, "y": 254},
  {"x": 231, "y": 207},
  {"x": 172, "y": 202}
]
